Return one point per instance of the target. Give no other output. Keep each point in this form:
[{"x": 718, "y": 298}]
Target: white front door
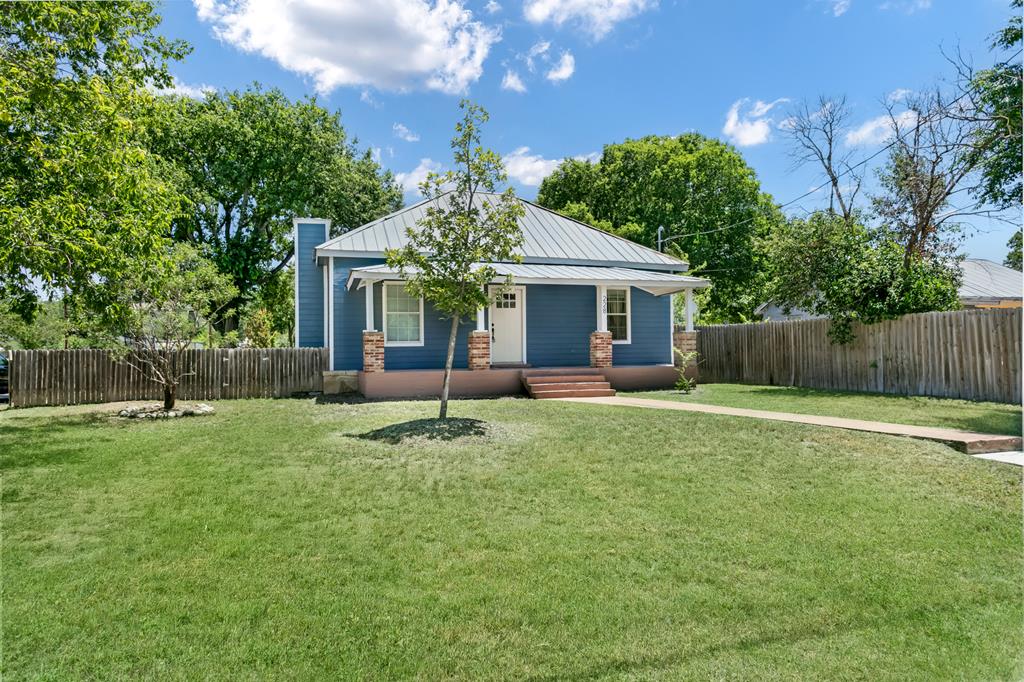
[{"x": 508, "y": 325}]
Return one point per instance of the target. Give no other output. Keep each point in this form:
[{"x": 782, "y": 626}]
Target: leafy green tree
[
  {"x": 703, "y": 193},
  {"x": 841, "y": 269},
  {"x": 995, "y": 95},
  {"x": 258, "y": 328},
  {"x": 249, "y": 162},
  {"x": 447, "y": 259},
  {"x": 1013, "y": 258},
  {"x": 80, "y": 197},
  {"x": 160, "y": 313}
]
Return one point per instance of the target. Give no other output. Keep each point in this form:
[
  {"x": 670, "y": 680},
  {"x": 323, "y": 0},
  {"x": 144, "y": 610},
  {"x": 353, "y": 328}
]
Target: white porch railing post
[
  {"x": 480, "y": 324},
  {"x": 690, "y": 308},
  {"x": 602, "y": 308},
  {"x": 368, "y": 288}
]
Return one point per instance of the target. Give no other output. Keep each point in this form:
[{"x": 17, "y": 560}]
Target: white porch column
[
  {"x": 330, "y": 313},
  {"x": 481, "y": 326},
  {"x": 368, "y": 289},
  {"x": 690, "y": 309},
  {"x": 602, "y": 308}
]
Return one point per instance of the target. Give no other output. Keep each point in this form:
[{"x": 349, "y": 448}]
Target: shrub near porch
[{"x": 290, "y": 539}]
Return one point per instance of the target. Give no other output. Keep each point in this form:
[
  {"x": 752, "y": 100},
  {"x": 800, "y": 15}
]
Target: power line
[{"x": 849, "y": 169}]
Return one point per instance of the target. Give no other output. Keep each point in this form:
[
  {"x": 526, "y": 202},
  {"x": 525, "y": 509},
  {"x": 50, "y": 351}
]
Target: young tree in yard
[
  {"x": 447, "y": 259},
  {"x": 258, "y": 329},
  {"x": 250, "y": 161},
  {"x": 160, "y": 313},
  {"x": 80, "y": 197}
]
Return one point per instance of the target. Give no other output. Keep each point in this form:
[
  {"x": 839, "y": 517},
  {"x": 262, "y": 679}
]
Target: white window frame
[
  {"x": 629, "y": 314},
  {"x": 384, "y": 314}
]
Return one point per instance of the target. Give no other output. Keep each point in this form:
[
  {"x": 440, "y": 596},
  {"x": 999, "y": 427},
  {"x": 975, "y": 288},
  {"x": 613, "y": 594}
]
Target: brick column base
[
  {"x": 600, "y": 349},
  {"x": 373, "y": 351},
  {"x": 479, "y": 350},
  {"x": 686, "y": 342}
]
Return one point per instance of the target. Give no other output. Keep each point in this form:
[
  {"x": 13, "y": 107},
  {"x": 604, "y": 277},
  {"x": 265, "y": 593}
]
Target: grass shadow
[{"x": 449, "y": 429}]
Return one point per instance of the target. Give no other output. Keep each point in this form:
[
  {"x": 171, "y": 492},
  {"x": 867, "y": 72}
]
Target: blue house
[{"x": 588, "y": 312}]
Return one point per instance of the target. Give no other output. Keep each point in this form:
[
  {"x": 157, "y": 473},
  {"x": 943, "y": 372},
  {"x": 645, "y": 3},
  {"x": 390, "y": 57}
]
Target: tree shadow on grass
[{"x": 449, "y": 429}]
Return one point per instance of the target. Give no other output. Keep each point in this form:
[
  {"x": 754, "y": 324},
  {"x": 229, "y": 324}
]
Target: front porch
[{"x": 499, "y": 381}]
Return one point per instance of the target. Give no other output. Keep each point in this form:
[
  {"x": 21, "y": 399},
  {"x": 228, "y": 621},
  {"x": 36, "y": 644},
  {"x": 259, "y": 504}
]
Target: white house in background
[{"x": 985, "y": 284}]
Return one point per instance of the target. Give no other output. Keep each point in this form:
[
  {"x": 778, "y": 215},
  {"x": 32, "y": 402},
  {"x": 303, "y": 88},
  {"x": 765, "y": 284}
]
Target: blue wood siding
[
  {"x": 309, "y": 278},
  {"x": 349, "y": 315},
  {"x": 559, "y": 320},
  {"x": 650, "y": 334}
]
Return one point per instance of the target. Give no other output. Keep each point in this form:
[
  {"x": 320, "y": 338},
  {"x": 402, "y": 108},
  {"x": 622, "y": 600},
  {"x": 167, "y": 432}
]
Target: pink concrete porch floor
[{"x": 964, "y": 441}]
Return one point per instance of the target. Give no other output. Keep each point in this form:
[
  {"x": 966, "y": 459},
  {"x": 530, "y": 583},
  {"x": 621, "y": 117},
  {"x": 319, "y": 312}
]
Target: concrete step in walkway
[{"x": 964, "y": 441}]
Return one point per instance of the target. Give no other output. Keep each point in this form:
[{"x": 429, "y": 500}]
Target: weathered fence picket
[
  {"x": 69, "y": 377},
  {"x": 969, "y": 354}
]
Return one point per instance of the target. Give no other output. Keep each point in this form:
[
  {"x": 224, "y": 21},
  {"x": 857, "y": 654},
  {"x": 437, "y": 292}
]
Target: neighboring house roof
[
  {"x": 988, "y": 280},
  {"x": 548, "y": 237},
  {"x": 657, "y": 283}
]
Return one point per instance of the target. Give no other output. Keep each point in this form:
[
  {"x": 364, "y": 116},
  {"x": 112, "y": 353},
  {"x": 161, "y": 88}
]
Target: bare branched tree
[
  {"x": 932, "y": 176},
  {"x": 816, "y": 132}
]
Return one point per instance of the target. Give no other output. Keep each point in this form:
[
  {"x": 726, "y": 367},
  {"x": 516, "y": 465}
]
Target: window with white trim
[
  {"x": 617, "y": 314},
  {"x": 403, "y": 316}
]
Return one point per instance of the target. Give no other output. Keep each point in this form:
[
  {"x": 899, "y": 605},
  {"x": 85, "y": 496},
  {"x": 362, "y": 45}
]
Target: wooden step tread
[
  {"x": 564, "y": 371},
  {"x": 562, "y": 379},
  {"x": 575, "y": 393},
  {"x": 570, "y": 385}
]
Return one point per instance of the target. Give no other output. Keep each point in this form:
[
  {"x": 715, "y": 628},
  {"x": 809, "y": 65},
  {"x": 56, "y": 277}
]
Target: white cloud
[
  {"x": 878, "y": 129},
  {"x": 528, "y": 169},
  {"x": 596, "y": 17},
  {"x": 898, "y": 95},
  {"x": 539, "y": 49},
  {"x": 375, "y": 154},
  {"x": 366, "y": 97},
  {"x": 513, "y": 82},
  {"x": 186, "y": 90},
  {"x": 906, "y": 6},
  {"x": 564, "y": 69},
  {"x": 752, "y": 127},
  {"x": 492, "y": 7},
  {"x": 387, "y": 44},
  {"x": 410, "y": 181},
  {"x": 839, "y": 7},
  {"x": 592, "y": 157},
  {"x": 403, "y": 133}
]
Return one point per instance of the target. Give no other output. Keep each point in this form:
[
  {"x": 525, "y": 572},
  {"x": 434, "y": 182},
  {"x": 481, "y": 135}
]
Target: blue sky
[{"x": 562, "y": 78}]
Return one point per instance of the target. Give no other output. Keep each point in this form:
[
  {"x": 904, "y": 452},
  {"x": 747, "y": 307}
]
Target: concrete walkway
[{"x": 964, "y": 441}]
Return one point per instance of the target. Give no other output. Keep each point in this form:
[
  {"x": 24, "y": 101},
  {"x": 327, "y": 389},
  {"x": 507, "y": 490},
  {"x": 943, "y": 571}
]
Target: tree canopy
[
  {"x": 839, "y": 268},
  {"x": 699, "y": 189},
  {"x": 80, "y": 196},
  {"x": 250, "y": 161}
]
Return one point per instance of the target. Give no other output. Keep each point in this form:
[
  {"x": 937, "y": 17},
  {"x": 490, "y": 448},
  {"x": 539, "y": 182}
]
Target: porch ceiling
[{"x": 654, "y": 282}]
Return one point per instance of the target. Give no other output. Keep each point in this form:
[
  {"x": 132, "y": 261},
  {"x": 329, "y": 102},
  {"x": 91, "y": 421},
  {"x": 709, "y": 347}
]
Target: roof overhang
[{"x": 653, "y": 282}]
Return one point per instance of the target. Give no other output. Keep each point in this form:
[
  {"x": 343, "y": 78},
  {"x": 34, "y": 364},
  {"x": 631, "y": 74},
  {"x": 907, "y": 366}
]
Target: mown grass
[
  {"x": 967, "y": 415},
  {"x": 529, "y": 540}
]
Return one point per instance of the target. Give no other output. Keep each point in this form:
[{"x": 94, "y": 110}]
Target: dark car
[{"x": 4, "y": 379}]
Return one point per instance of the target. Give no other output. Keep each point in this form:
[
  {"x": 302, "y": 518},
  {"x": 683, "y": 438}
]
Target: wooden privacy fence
[
  {"x": 969, "y": 354},
  {"x": 69, "y": 377}
]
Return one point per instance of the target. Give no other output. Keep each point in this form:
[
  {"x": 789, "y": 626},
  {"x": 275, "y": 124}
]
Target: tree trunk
[
  {"x": 170, "y": 394},
  {"x": 448, "y": 367}
]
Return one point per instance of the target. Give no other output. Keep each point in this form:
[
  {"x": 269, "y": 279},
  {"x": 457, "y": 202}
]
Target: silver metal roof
[
  {"x": 657, "y": 283},
  {"x": 548, "y": 237},
  {"x": 985, "y": 279}
]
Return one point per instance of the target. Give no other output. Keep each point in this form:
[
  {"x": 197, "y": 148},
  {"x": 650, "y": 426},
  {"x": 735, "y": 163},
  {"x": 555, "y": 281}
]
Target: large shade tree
[
  {"x": 80, "y": 196},
  {"x": 250, "y": 161},
  {"x": 700, "y": 190}
]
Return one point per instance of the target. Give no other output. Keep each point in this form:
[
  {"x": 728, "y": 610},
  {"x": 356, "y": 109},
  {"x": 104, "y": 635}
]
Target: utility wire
[{"x": 838, "y": 175}]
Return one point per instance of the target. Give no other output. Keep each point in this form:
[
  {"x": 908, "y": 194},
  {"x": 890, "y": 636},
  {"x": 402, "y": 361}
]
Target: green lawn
[
  {"x": 919, "y": 411},
  {"x": 288, "y": 539}
]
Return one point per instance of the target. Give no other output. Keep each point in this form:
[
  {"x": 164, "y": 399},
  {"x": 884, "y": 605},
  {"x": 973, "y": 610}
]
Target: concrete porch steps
[{"x": 579, "y": 384}]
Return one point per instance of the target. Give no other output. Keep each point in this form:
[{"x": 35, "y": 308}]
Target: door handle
[{"x": 492, "y": 332}]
